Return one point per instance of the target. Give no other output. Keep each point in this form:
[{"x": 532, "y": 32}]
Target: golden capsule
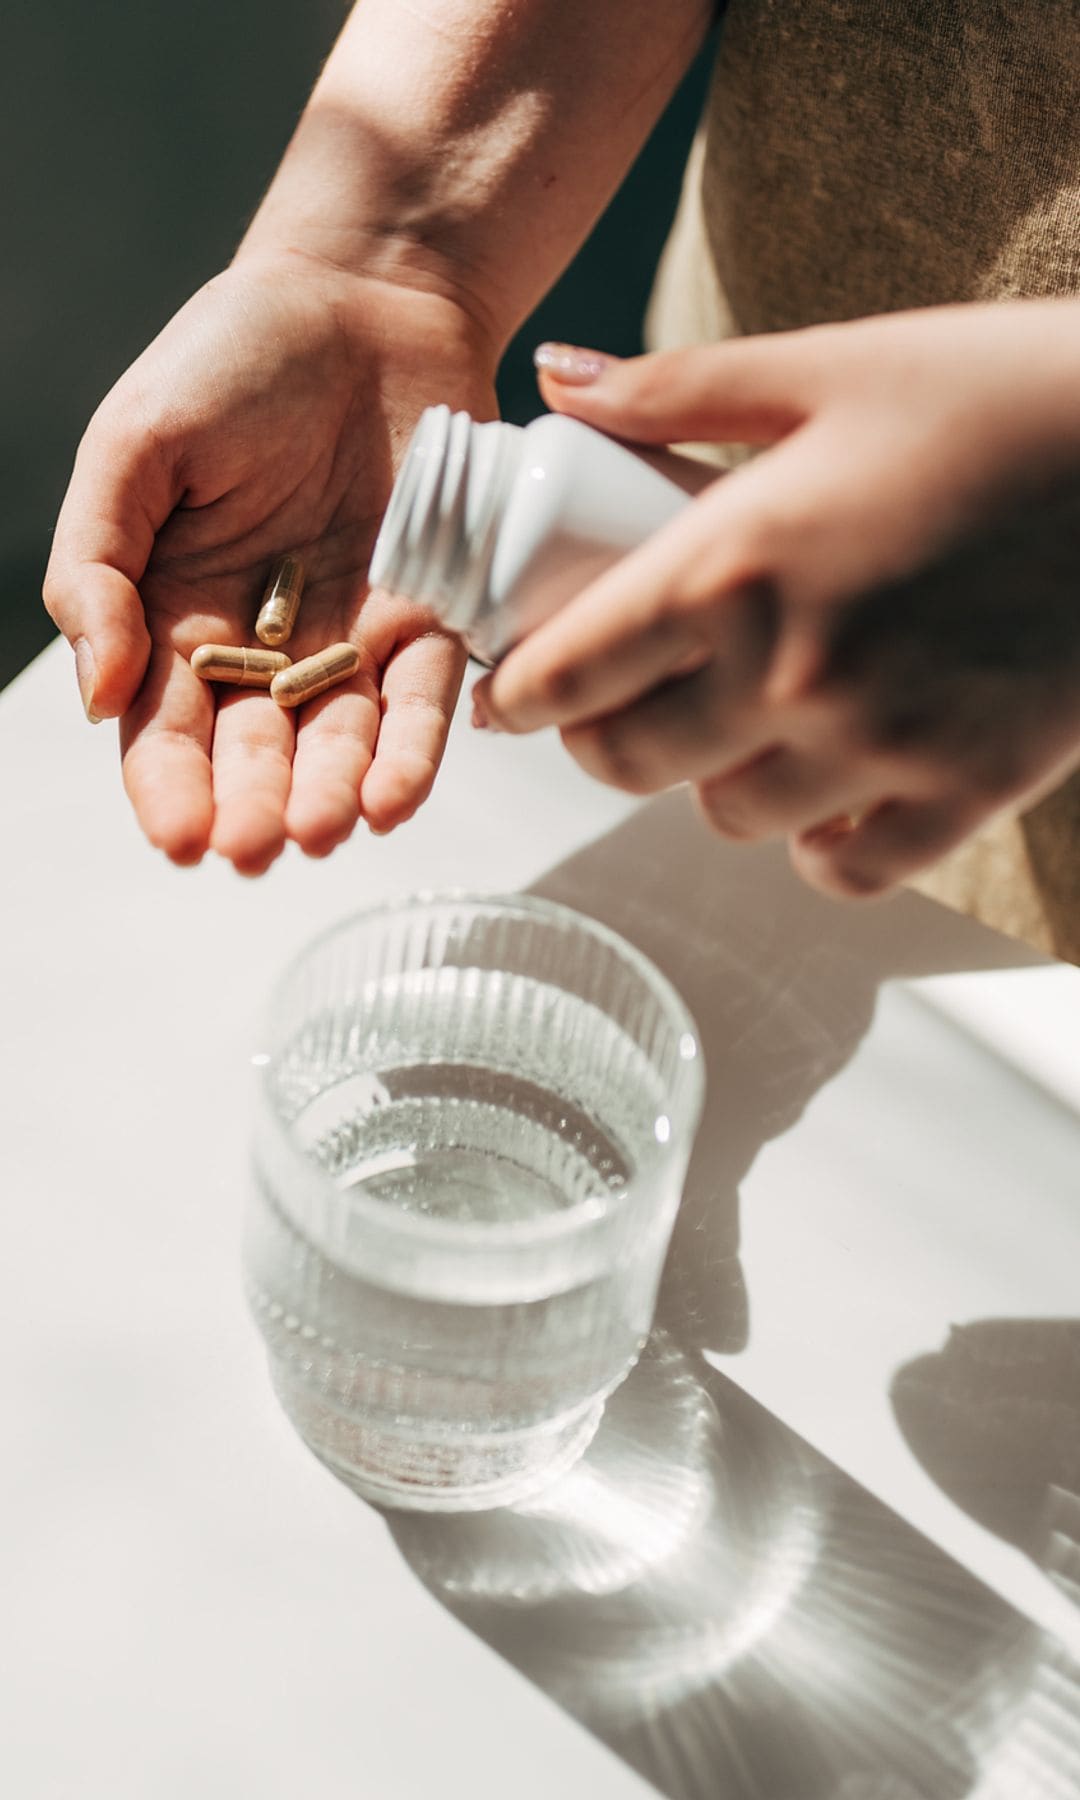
[
  {"x": 315, "y": 674},
  {"x": 240, "y": 668},
  {"x": 280, "y": 602}
]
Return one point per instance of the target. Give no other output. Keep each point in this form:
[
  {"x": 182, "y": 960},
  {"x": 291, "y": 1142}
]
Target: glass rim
[{"x": 685, "y": 1108}]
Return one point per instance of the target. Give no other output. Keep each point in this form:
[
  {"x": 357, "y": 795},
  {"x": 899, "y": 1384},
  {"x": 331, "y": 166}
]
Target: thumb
[
  {"x": 747, "y": 391},
  {"x": 120, "y": 493}
]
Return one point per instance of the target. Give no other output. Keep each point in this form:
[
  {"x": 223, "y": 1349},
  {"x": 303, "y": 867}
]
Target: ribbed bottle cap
[{"x": 436, "y": 539}]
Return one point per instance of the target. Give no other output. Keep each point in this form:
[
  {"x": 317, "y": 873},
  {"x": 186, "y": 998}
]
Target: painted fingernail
[
  {"x": 565, "y": 362},
  {"x": 86, "y": 676},
  {"x": 830, "y": 831}
]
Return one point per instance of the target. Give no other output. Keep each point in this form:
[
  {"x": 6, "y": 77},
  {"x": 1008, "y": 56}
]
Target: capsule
[
  {"x": 315, "y": 674},
  {"x": 240, "y": 668},
  {"x": 280, "y": 602}
]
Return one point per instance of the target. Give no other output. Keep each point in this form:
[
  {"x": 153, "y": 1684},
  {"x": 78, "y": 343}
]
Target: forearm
[{"x": 467, "y": 146}]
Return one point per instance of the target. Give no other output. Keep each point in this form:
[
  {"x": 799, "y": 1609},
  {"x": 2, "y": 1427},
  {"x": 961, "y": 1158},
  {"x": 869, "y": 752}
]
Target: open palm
[{"x": 267, "y": 418}]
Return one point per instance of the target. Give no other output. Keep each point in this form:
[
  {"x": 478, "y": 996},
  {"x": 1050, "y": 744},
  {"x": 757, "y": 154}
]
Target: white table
[{"x": 189, "y": 1604}]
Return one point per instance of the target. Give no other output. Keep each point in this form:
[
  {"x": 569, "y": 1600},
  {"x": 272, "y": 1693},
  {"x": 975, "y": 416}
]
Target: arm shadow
[
  {"x": 704, "y": 1592},
  {"x": 994, "y": 1419},
  {"x": 783, "y": 985}
]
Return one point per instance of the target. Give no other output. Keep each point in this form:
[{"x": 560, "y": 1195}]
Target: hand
[
  {"x": 868, "y": 637},
  {"x": 266, "y": 418}
]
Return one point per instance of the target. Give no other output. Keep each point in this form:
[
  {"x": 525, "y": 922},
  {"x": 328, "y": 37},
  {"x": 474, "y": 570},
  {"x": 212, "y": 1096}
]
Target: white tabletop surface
[{"x": 190, "y": 1605}]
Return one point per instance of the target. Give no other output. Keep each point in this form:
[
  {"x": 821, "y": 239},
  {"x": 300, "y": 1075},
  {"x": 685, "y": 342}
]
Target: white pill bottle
[{"x": 495, "y": 526}]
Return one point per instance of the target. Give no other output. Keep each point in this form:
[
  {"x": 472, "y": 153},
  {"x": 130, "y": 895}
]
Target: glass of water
[{"x": 473, "y": 1122}]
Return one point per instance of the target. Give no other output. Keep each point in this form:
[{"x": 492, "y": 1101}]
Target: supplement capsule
[
  {"x": 315, "y": 674},
  {"x": 280, "y": 602},
  {"x": 240, "y": 668}
]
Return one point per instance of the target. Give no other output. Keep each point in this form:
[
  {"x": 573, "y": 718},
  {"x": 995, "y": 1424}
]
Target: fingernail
[
  {"x": 577, "y": 368},
  {"x": 830, "y": 831},
  {"x": 481, "y": 715},
  {"x": 86, "y": 676}
]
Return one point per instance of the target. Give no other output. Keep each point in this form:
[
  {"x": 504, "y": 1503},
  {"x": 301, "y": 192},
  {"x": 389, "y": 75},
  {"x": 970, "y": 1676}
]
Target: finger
[
  {"x": 888, "y": 844},
  {"x": 696, "y": 583},
  {"x": 100, "y": 612},
  {"x": 419, "y": 688},
  {"x": 749, "y": 390},
  {"x": 165, "y": 739},
  {"x": 122, "y": 490},
  {"x": 251, "y": 762},
  {"x": 594, "y": 658},
  {"x": 681, "y": 731},
  {"x": 334, "y": 745},
  {"x": 782, "y": 790}
]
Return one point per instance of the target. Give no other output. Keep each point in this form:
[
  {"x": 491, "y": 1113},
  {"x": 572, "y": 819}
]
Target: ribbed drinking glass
[{"x": 473, "y": 1122}]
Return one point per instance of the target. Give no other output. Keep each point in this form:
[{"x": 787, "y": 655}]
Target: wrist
[
  {"x": 378, "y": 287},
  {"x": 465, "y": 147},
  {"x": 358, "y": 194},
  {"x": 363, "y": 255}
]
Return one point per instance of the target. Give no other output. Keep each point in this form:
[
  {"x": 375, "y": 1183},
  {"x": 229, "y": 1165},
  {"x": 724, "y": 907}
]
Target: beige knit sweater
[{"x": 861, "y": 156}]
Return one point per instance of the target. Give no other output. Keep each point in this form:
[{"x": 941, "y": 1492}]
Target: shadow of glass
[
  {"x": 783, "y": 984},
  {"x": 733, "y": 1616}
]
